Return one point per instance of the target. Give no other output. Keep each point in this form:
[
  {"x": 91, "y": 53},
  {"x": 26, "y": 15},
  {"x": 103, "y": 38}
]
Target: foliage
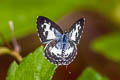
[
  {"x": 109, "y": 46},
  {"x": 24, "y": 12},
  {"x": 91, "y": 74},
  {"x": 33, "y": 67}
]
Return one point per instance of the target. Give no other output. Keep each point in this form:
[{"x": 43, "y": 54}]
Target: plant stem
[{"x": 5, "y": 50}]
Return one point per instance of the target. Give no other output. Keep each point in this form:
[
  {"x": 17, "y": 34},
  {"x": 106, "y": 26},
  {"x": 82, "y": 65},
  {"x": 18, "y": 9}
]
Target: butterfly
[{"x": 61, "y": 47}]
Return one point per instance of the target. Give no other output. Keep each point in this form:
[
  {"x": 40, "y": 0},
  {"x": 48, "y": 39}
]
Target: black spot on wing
[
  {"x": 46, "y": 33},
  {"x": 44, "y": 26}
]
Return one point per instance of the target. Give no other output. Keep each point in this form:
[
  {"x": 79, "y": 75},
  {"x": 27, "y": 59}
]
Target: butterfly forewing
[
  {"x": 47, "y": 29},
  {"x": 76, "y": 30}
]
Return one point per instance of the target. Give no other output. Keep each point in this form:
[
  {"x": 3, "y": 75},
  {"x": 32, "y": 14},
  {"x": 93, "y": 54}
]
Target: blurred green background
[{"x": 99, "y": 46}]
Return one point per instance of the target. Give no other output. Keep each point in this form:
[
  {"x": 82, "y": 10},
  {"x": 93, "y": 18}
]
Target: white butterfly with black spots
[{"x": 61, "y": 48}]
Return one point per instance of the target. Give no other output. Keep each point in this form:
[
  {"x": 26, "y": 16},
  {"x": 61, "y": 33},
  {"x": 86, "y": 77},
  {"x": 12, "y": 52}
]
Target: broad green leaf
[
  {"x": 11, "y": 71},
  {"x": 109, "y": 46},
  {"x": 24, "y": 12},
  {"x": 34, "y": 67},
  {"x": 91, "y": 74}
]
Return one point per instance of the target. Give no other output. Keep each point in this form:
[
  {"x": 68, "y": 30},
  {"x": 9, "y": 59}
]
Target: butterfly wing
[
  {"x": 47, "y": 29},
  {"x": 60, "y": 56},
  {"x": 76, "y": 30}
]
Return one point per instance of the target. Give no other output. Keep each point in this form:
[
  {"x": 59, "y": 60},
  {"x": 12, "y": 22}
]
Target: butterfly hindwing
[
  {"x": 76, "y": 30},
  {"x": 60, "y": 56},
  {"x": 47, "y": 29}
]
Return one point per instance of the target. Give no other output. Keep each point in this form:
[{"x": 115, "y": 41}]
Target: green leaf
[
  {"x": 91, "y": 74},
  {"x": 11, "y": 71},
  {"x": 34, "y": 67},
  {"x": 108, "y": 45}
]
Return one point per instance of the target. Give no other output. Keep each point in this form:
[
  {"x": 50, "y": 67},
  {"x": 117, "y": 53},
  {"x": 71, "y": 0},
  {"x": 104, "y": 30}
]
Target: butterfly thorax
[
  {"x": 63, "y": 41},
  {"x": 64, "y": 38}
]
